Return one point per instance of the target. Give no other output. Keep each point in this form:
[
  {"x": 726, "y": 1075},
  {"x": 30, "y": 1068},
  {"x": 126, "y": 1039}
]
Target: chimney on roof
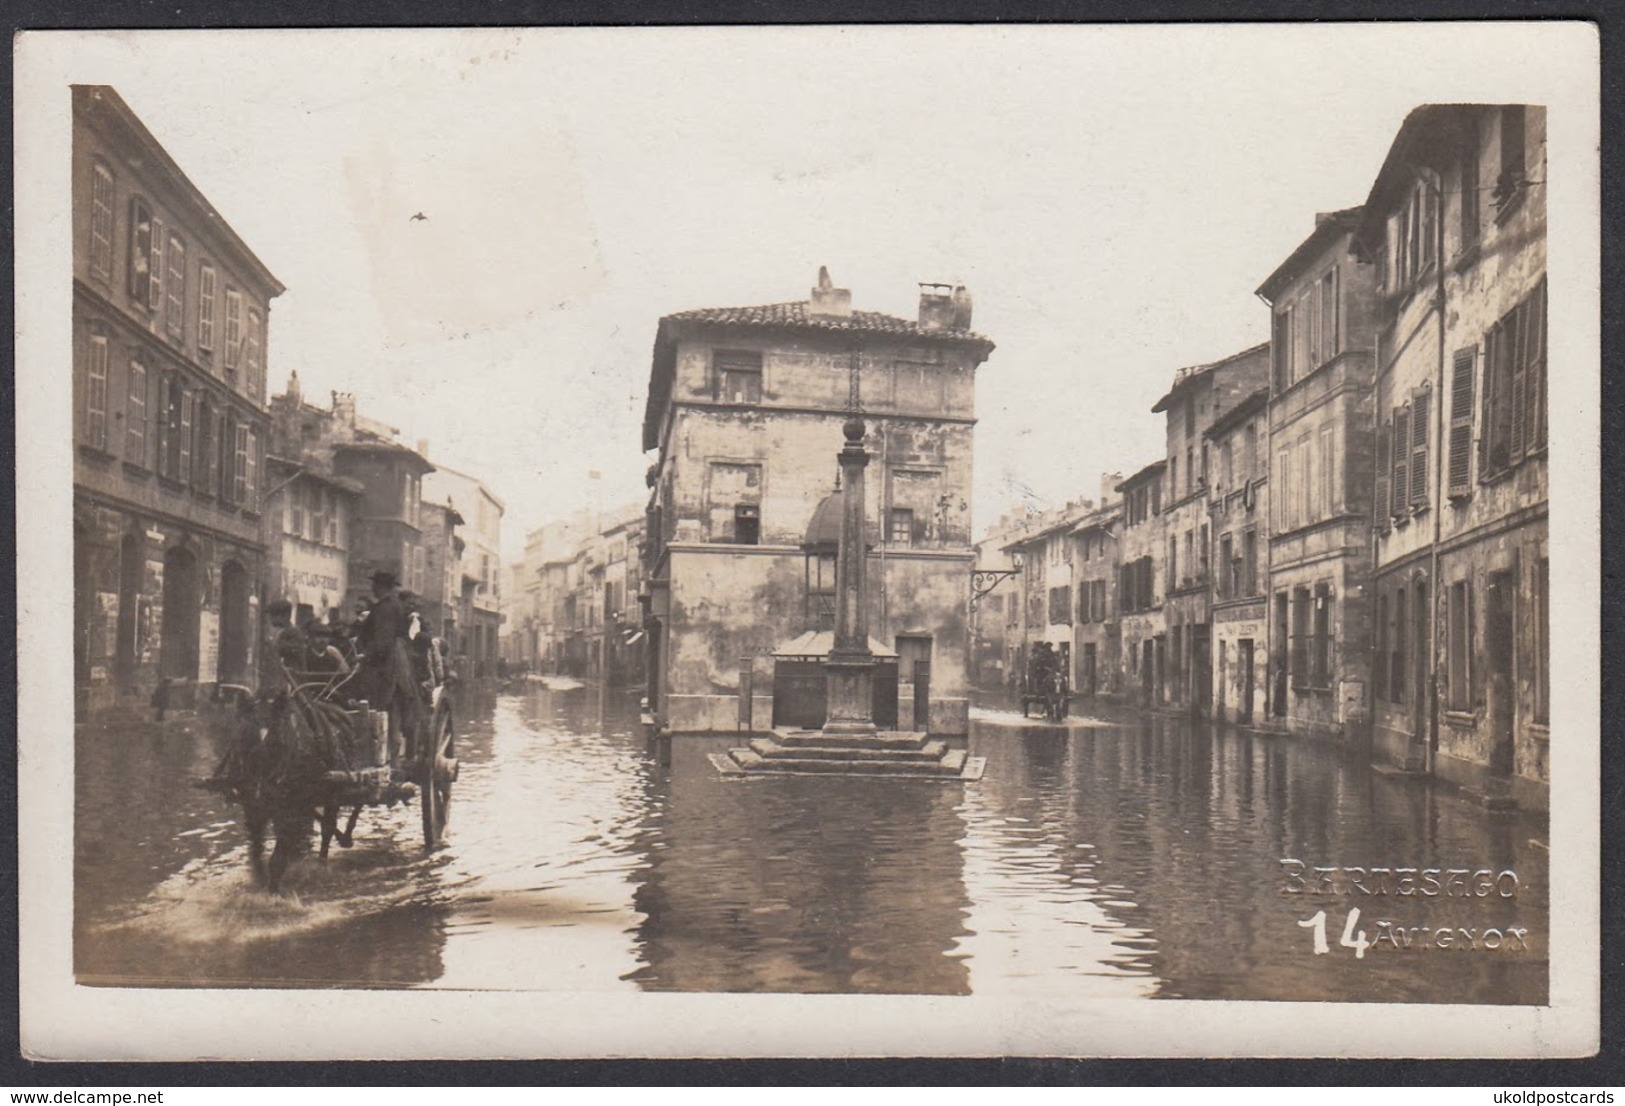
[
  {"x": 1108, "y": 487},
  {"x": 944, "y": 307},
  {"x": 1322, "y": 216},
  {"x": 828, "y": 300},
  {"x": 344, "y": 408},
  {"x": 293, "y": 391},
  {"x": 423, "y": 447}
]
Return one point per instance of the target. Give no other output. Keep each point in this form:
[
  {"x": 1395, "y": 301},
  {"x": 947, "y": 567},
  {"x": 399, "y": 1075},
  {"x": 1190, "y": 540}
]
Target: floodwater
[{"x": 1118, "y": 857}]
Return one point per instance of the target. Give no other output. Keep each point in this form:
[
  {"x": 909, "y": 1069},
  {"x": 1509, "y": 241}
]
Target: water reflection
[
  {"x": 1125, "y": 856},
  {"x": 1184, "y": 826},
  {"x": 800, "y": 884}
]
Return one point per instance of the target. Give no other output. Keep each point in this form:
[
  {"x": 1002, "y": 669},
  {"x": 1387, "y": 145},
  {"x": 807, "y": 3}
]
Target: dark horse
[{"x": 276, "y": 766}]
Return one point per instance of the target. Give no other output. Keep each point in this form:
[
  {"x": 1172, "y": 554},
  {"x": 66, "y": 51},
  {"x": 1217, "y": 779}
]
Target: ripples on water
[{"x": 1112, "y": 858}]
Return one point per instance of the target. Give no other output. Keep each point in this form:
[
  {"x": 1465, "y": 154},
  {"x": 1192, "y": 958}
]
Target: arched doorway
[
  {"x": 233, "y": 623},
  {"x": 129, "y": 598},
  {"x": 179, "y": 641}
]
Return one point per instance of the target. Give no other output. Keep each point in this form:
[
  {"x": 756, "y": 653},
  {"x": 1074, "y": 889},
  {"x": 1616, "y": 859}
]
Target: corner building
[
  {"x": 745, "y": 408},
  {"x": 170, "y": 309},
  {"x": 1321, "y": 465}
]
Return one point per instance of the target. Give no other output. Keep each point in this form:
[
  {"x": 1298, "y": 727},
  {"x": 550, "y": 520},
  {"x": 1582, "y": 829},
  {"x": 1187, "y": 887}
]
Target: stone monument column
[{"x": 851, "y": 666}]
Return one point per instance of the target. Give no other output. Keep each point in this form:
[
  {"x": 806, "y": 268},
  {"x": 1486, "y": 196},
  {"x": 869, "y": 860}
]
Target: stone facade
[
  {"x": 1456, "y": 227},
  {"x": 1198, "y": 396},
  {"x": 1321, "y": 465},
  {"x": 307, "y": 554},
  {"x": 745, "y": 408},
  {"x": 479, "y": 591},
  {"x": 169, "y": 325},
  {"x": 1097, "y": 636},
  {"x": 1238, "y": 518},
  {"x": 1142, "y": 587}
]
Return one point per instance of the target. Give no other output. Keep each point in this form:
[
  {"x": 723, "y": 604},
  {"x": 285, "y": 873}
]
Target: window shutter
[
  {"x": 217, "y": 478},
  {"x": 1520, "y": 376},
  {"x": 155, "y": 267},
  {"x": 135, "y": 419},
  {"x": 1420, "y": 403},
  {"x": 1401, "y": 485},
  {"x": 184, "y": 469},
  {"x": 205, "y": 308},
  {"x": 162, "y": 421},
  {"x": 239, "y": 467},
  {"x": 1461, "y": 421},
  {"x": 140, "y": 250},
  {"x": 251, "y": 488},
  {"x": 1535, "y": 374}
]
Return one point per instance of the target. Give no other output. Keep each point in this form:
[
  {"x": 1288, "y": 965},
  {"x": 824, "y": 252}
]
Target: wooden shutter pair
[{"x": 1461, "y": 422}]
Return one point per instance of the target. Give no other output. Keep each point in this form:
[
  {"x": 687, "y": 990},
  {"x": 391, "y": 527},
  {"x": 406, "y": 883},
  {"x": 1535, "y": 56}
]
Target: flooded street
[{"x": 1118, "y": 857}]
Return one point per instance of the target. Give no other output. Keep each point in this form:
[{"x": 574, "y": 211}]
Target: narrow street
[{"x": 1123, "y": 856}]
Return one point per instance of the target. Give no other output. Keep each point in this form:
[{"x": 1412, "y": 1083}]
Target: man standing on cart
[{"x": 386, "y": 668}]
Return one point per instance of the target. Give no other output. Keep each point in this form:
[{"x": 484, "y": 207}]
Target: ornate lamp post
[{"x": 851, "y": 665}]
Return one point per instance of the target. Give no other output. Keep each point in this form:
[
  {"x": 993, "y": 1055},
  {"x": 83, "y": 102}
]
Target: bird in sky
[{"x": 418, "y": 218}]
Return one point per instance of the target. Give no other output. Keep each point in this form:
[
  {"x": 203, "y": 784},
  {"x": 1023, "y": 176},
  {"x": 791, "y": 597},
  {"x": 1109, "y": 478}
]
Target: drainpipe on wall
[{"x": 1438, "y": 458}]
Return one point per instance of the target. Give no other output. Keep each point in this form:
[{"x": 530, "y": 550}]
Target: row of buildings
[
  {"x": 198, "y": 498},
  {"x": 574, "y": 598},
  {"x": 1346, "y": 535}
]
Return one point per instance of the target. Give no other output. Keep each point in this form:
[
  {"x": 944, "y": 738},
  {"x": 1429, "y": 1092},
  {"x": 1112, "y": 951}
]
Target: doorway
[
  {"x": 1422, "y": 649},
  {"x": 1502, "y": 710},
  {"x": 1244, "y": 674},
  {"x": 1278, "y": 658},
  {"x": 234, "y": 623},
  {"x": 914, "y": 666},
  {"x": 1201, "y": 668},
  {"x": 178, "y": 641},
  {"x": 129, "y": 596}
]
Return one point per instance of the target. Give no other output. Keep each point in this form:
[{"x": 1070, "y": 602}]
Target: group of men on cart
[{"x": 397, "y": 659}]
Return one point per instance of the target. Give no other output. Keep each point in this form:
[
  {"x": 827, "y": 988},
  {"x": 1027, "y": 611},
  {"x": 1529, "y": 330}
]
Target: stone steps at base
[
  {"x": 949, "y": 767},
  {"x": 770, "y": 749},
  {"x": 886, "y": 739}
]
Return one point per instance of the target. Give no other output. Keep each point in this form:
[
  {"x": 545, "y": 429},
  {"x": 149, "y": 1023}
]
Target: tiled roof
[{"x": 795, "y": 315}]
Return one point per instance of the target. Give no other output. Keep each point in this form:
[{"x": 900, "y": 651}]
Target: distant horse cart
[
  {"x": 297, "y": 758},
  {"x": 1044, "y": 685}
]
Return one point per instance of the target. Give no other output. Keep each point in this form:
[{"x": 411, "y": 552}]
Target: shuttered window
[
  {"x": 1514, "y": 405},
  {"x": 96, "y": 393},
  {"x": 183, "y": 440},
  {"x": 205, "y": 307},
  {"x": 135, "y": 416},
  {"x": 140, "y": 251},
  {"x": 251, "y": 468},
  {"x": 234, "y": 326},
  {"x": 1385, "y": 465},
  {"x": 101, "y": 220},
  {"x": 1328, "y": 316},
  {"x": 155, "y": 266},
  {"x": 161, "y": 420},
  {"x": 1461, "y": 421},
  {"x": 203, "y": 444},
  {"x": 239, "y": 467},
  {"x": 175, "y": 288},
  {"x": 251, "y": 355},
  {"x": 1420, "y": 404},
  {"x": 1400, "y": 488}
]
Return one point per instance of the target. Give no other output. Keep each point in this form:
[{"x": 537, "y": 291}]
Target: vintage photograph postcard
[{"x": 809, "y": 541}]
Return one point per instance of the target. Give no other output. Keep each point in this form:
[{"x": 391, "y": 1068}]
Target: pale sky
[{"x": 1110, "y": 196}]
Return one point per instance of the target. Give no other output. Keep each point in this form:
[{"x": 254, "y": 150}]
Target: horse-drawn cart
[
  {"x": 1044, "y": 685},
  {"x": 297, "y": 758}
]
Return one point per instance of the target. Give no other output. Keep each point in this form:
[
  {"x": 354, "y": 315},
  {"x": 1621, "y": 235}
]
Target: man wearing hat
[{"x": 386, "y": 670}]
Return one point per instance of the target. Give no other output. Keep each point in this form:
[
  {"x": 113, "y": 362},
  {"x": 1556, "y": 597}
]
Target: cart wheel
[{"x": 439, "y": 770}]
